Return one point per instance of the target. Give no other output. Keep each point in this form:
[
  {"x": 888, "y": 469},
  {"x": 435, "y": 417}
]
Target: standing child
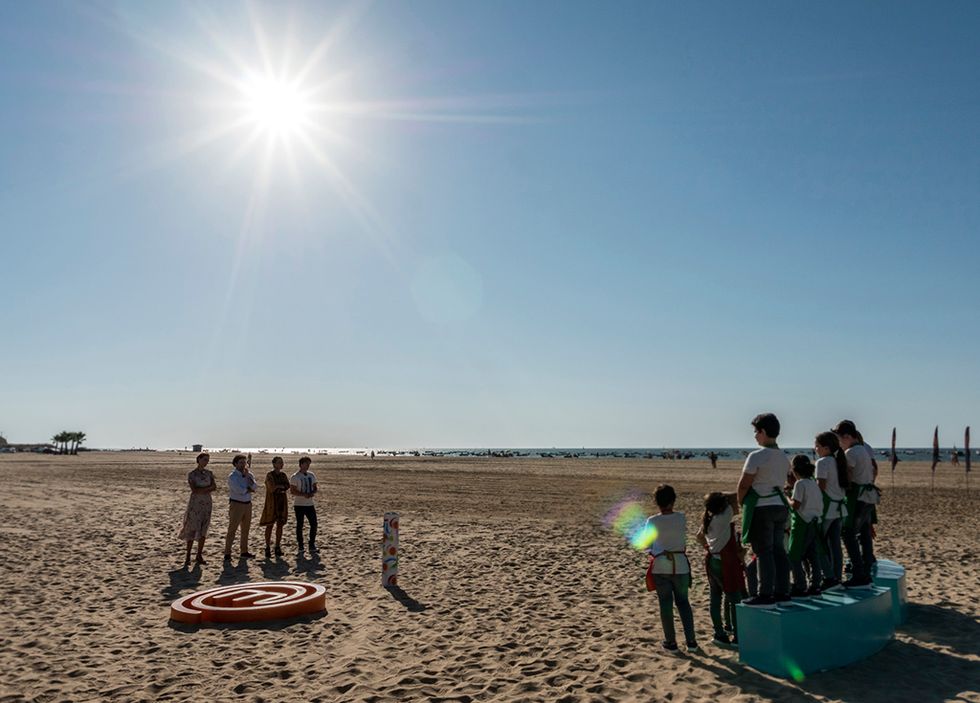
[
  {"x": 805, "y": 532},
  {"x": 862, "y": 496},
  {"x": 832, "y": 478},
  {"x": 765, "y": 512},
  {"x": 669, "y": 567},
  {"x": 723, "y": 562}
]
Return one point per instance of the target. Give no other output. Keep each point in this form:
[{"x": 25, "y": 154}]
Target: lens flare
[
  {"x": 627, "y": 518},
  {"x": 793, "y": 669}
]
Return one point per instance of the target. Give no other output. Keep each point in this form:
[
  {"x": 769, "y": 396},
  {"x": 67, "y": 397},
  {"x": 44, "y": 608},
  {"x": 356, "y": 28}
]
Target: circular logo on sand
[{"x": 249, "y": 602}]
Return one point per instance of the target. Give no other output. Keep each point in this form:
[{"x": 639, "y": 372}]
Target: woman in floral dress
[{"x": 198, "y": 515}]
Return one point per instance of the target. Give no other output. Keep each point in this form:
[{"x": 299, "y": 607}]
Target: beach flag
[
  {"x": 966, "y": 441},
  {"x": 894, "y": 456},
  {"x": 935, "y": 449}
]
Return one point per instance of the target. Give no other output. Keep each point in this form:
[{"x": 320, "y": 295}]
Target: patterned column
[{"x": 389, "y": 551}]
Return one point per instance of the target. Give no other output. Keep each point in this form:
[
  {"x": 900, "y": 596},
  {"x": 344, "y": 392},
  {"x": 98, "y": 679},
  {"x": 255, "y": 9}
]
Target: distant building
[
  {"x": 3, "y": 441},
  {"x": 197, "y": 447}
]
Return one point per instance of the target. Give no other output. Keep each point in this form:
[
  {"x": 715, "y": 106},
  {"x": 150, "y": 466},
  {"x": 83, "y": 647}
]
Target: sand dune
[{"x": 513, "y": 590}]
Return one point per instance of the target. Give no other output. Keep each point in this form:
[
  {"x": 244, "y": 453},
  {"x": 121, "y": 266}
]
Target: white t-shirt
[
  {"x": 862, "y": 471},
  {"x": 671, "y": 537},
  {"x": 808, "y": 493},
  {"x": 769, "y": 466},
  {"x": 719, "y": 531},
  {"x": 827, "y": 470},
  {"x": 304, "y": 484}
]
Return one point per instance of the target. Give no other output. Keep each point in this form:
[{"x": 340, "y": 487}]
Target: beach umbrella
[{"x": 935, "y": 454}]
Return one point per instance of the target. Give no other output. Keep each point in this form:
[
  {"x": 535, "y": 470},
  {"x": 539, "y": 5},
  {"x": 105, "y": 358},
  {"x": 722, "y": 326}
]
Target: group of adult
[{"x": 242, "y": 487}]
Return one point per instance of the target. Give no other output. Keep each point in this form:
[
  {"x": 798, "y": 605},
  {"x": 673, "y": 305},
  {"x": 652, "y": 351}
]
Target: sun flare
[{"x": 275, "y": 106}]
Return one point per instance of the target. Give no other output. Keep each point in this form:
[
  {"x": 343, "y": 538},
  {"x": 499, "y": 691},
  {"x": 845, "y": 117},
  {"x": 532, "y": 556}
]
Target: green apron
[
  {"x": 839, "y": 509},
  {"x": 853, "y": 492},
  {"x": 748, "y": 509},
  {"x": 799, "y": 532}
]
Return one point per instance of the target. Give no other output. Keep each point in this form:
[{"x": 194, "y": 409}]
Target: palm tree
[
  {"x": 77, "y": 438},
  {"x": 61, "y": 441}
]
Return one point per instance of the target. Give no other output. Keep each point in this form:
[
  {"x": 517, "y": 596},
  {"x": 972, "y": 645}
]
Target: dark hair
[
  {"x": 305, "y": 461},
  {"x": 830, "y": 441},
  {"x": 275, "y": 459},
  {"x": 238, "y": 457},
  {"x": 203, "y": 455},
  {"x": 846, "y": 427},
  {"x": 664, "y": 495},
  {"x": 802, "y": 466},
  {"x": 714, "y": 504},
  {"x": 768, "y": 423}
]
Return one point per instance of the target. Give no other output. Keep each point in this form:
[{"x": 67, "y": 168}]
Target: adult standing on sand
[
  {"x": 241, "y": 486},
  {"x": 275, "y": 511},
  {"x": 302, "y": 485},
  {"x": 197, "y": 517},
  {"x": 765, "y": 511}
]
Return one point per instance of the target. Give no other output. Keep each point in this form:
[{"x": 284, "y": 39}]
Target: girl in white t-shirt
[
  {"x": 723, "y": 562},
  {"x": 807, "y": 502},
  {"x": 832, "y": 478},
  {"x": 670, "y": 572}
]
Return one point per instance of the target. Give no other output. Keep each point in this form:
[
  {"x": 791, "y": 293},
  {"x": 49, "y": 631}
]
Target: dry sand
[{"x": 514, "y": 590}]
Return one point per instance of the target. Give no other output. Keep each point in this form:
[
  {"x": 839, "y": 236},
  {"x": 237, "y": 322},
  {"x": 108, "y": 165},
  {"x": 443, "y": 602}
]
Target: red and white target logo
[{"x": 249, "y": 602}]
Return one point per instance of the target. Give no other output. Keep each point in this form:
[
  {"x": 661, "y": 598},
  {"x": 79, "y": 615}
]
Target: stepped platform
[{"x": 837, "y": 628}]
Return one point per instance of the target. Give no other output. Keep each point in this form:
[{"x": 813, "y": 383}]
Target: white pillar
[{"x": 389, "y": 551}]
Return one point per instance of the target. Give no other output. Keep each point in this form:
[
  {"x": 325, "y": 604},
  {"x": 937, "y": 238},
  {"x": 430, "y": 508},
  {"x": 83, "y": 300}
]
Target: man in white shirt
[
  {"x": 241, "y": 486},
  {"x": 303, "y": 486},
  {"x": 765, "y": 509},
  {"x": 862, "y": 496}
]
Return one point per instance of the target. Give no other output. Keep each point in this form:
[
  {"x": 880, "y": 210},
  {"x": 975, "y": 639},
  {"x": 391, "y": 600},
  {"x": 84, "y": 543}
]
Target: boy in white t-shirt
[
  {"x": 303, "y": 486},
  {"x": 805, "y": 532},
  {"x": 765, "y": 512},
  {"x": 670, "y": 568}
]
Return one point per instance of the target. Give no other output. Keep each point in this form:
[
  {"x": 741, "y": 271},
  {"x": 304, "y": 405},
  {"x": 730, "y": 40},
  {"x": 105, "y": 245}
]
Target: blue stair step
[
  {"x": 835, "y": 629},
  {"x": 890, "y": 575}
]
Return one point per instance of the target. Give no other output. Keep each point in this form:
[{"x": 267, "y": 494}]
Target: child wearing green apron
[
  {"x": 862, "y": 495},
  {"x": 832, "y": 478},
  {"x": 805, "y": 532},
  {"x": 765, "y": 512}
]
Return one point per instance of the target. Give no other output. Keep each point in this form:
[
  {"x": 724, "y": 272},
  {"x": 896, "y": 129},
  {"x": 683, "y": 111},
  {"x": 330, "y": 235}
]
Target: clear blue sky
[{"x": 526, "y": 224}]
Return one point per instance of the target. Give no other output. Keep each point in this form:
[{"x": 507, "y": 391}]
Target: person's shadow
[
  {"x": 412, "y": 605},
  {"x": 309, "y": 565},
  {"x": 946, "y": 626},
  {"x": 181, "y": 579},
  {"x": 274, "y": 569},
  {"x": 233, "y": 571}
]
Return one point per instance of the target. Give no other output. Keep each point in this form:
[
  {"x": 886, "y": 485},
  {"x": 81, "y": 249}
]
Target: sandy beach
[{"x": 513, "y": 589}]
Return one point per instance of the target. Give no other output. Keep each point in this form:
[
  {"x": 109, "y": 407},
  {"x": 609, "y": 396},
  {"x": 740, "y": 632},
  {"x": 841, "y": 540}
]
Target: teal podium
[
  {"x": 837, "y": 628},
  {"x": 890, "y": 575}
]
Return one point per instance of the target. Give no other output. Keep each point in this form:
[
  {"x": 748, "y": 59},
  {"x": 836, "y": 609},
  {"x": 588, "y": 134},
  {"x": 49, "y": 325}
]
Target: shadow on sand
[
  {"x": 412, "y": 605},
  {"x": 271, "y": 625},
  {"x": 182, "y": 579}
]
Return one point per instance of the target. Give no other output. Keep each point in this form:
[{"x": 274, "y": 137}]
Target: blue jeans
[
  {"x": 670, "y": 588},
  {"x": 766, "y": 537},
  {"x": 858, "y": 542},
  {"x": 832, "y": 537}
]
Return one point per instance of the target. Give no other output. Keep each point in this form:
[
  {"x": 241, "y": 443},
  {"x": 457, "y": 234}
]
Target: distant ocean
[{"x": 701, "y": 453}]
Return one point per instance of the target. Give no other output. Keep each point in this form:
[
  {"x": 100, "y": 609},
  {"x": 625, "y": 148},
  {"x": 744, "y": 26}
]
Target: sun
[{"x": 275, "y": 106}]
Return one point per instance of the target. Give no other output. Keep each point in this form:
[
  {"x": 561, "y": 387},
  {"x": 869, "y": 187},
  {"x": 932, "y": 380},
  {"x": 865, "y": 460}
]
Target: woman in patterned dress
[
  {"x": 275, "y": 511},
  {"x": 198, "y": 515}
]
